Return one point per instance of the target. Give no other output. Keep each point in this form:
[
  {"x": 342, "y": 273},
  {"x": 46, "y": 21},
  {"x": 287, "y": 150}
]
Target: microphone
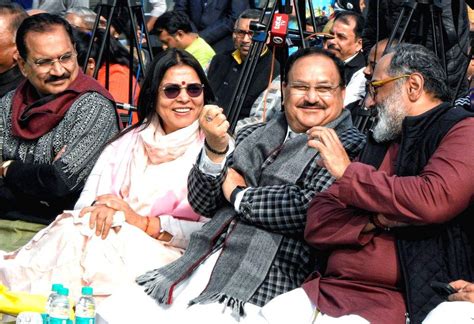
[{"x": 279, "y": 29}]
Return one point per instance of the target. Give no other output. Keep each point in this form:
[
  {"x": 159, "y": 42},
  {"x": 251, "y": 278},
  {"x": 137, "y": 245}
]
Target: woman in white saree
[{"x": 137, "y": 188}]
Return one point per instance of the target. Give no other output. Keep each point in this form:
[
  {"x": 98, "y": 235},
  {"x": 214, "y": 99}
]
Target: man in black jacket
[
  {"x": 225, "y": 68},
  {"x": 347, "y": 45}
]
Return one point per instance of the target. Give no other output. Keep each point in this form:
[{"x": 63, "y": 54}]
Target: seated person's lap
[{"x": 15, "y": 234}]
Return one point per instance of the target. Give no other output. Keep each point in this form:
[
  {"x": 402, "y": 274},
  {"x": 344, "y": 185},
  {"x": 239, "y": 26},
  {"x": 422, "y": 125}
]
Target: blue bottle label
[
  {"x": 53, "y": 320},
  {"x": 85, "y": 320}
]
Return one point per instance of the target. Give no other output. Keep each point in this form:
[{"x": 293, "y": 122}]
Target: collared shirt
[
  {"x": 355, "y": 87},
  {"x": 238, "y": 58}
]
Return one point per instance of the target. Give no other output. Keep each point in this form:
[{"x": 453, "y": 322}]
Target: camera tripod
[
  {"x": 428, "y": 14},
  {"x": 134, "y": 10},
  {"x": 261, "y": 29},
  {"x": 418, "y": 19}
]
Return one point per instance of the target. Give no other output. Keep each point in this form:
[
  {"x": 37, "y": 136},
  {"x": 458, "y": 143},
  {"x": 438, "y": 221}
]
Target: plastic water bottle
[
  {"x": 85, "y": 307},
  {"x": 54, "y": 292},
  {"x": 29, "y": 318},
  {"x": 59, "y": 309}
]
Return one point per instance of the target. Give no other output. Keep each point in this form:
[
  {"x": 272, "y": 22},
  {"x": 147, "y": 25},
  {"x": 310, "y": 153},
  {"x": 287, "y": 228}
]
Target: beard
[{"x": 391, "y": 113}]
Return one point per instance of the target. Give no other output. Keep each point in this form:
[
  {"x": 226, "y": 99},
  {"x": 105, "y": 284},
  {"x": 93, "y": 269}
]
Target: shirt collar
[
  {"x": 350, "y": 58},
  {"x": 290, "y": 134},
  {"x": 238, "y": 58}
]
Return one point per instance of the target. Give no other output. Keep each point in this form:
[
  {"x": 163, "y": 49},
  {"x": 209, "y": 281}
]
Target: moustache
[
  {"x": 333, "y": 47},
  {"x": 54, "y": 78},
  {"x": 307, "y": 105}
]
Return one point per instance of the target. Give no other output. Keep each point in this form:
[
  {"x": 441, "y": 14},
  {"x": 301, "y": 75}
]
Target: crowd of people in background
[{"x": 345, "y": 192}]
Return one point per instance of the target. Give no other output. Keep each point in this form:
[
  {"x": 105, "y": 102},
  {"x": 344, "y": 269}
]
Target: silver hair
[
  {"x": 85, "y": 13},
  {"x": 411, "y": 58}
]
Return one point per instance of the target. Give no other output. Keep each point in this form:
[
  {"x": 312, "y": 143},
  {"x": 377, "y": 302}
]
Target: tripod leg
[
  {"x": 94, "y": 30},
  {"x": 395, "y": 29},
  {"x": 147, "y": 35},
  {"x": 104, "y": 41},
  {"x": 299, "y": 17},
  {"x": 133, "y": 38},
  {"x": 311, "y": 14},
  {"x": 409, "y": 19},
  {"x": 233, "y": 110}
]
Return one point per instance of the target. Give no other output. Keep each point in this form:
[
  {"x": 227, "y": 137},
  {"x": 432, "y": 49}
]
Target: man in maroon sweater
[{"x": 419, "y": 171}]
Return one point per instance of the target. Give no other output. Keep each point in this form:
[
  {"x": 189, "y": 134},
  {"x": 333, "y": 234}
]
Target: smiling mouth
[
  {"x": 311, "y": 107},
  {"x": 182, "y": 110}
]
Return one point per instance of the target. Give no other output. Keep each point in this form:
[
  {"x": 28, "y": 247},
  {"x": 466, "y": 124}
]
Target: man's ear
[
  {"x": 179, "y": 35},
  {"x": 415, "y": 86},
  {"x": 21, "y": 64},
  {"x": 359, "y": 43},
  {"x": 284, "y": 86},
  {"x": 15, "y": 56},
  {"x": 343, "y": 94}
]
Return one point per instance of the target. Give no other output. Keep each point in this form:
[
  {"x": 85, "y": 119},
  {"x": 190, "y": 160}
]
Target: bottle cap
[
  {"x": 56, "y": 287},
  {"x": 63, "y": 291},
  {"x": 86, "y": 290}
]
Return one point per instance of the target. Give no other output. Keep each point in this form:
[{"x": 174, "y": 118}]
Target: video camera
[{"x": 281, "y": 35}]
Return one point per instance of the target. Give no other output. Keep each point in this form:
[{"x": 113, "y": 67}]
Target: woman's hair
[
  {"x": 149, "y": 91},
  {"x": 118, "y": 53}
]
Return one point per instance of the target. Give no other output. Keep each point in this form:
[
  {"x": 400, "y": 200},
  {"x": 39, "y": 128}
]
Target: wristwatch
[
  {"x": 4, "y": 167},
  {"x": 234, "y": 193}
]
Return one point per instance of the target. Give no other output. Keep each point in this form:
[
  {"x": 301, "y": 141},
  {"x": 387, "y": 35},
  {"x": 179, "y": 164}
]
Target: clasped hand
[{"x": 102, "y": 214}]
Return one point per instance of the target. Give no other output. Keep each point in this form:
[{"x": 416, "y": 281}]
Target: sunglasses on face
[{"x": 193, "y": 90}]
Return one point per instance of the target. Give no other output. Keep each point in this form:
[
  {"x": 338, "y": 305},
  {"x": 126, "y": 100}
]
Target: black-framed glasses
[
  {"x": 65, "y": 60},
  {"x": 241, "y": 33},
  {"x": 193, "y": 90},
  {"x": 372, "y": 86}
]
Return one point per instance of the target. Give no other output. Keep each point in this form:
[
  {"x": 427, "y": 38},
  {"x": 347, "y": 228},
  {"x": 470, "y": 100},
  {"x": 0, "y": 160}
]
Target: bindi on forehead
[{"x": 183, "y": 83}]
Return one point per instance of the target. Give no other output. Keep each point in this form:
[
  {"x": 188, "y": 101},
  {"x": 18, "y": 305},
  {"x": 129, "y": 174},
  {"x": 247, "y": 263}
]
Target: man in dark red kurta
[{"x": 419, "y": 172}]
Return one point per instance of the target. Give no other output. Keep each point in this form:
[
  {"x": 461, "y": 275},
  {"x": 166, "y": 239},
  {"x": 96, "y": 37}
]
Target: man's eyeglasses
[
  {"x": 241, "y": 33},
  {"x": 301, "y": 89},
  {"x": 66, "y": 60},
  {"x": 372, "y": 86},
  {"x": 193, "y": 90}
]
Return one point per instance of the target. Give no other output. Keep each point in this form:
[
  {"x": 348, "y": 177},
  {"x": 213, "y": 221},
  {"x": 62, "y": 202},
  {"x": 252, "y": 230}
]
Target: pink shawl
[{"x": 149, "y": 169}]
